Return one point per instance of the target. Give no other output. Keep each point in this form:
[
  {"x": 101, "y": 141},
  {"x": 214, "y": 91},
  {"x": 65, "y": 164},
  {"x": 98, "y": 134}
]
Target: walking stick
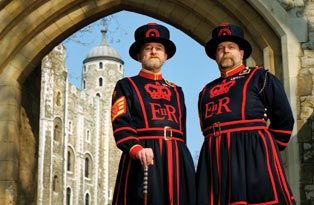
[{"x": 145, "y": 184}]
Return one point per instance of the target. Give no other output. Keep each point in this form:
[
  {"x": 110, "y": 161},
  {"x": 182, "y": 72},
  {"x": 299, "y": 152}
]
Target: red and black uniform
[
  {"x": 149, "y": 112},
  {"x": 240, "y": 161}
]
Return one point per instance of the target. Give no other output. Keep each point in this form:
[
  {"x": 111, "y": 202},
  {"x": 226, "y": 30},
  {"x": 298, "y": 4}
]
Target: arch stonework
[{"x": 281, "y": 33}]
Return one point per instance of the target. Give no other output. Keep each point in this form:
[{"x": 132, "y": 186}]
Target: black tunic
[
  {"x": 240, "y": 161},
  {"x": 148, "y": 111}
]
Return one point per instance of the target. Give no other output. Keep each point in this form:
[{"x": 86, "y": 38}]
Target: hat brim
[
  {"x": 136, "y": 46},
  {"x": 211, "y": 46}
]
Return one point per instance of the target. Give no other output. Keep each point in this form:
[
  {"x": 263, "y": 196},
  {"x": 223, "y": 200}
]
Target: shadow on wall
[
  {"x": 306, "y": 145},
  {"x": 28, "y": 138}
]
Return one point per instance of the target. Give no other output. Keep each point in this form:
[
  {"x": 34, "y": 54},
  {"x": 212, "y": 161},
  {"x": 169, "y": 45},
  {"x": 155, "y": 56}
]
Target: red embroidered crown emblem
[
  {"x": 157, "y": 91},
  {"x": 222, "y": 88}
]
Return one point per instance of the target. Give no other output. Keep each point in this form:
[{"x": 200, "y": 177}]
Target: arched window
[
  {"x": 100, "y": 82},
  {"x": 86, "y": 167},
  {"x": 57, "y": 132},
  {"x": 98, "y": 95},
  {"x": 100, "y": 65},
  {"x": 69, "y": 161},
  {"x": 68, "y": 197},
  {"x": 55, "y": 183},
  {"x": 87, "y": 199},
  {"x": 58, "y": 98}
]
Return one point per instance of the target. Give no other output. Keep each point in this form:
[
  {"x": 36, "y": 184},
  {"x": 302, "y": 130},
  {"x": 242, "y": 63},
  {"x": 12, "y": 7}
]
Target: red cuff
[{"x": 134, "y": 150}]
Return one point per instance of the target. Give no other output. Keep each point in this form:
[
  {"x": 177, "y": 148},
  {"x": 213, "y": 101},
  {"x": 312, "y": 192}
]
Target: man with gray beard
[
  {"x": 149, "y": 124},
  {"x": 240, "y": 162}
]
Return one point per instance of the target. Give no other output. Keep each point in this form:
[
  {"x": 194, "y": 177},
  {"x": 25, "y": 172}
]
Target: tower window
[
  {"x": 100, "y": 65},
  {"x": 87, "y": 199},
  {"x": 87, "y": 135},
  {"x": 69, "y": 161},
  {"x": 86, "y": 167},
  {"x": 70, "y": 127},
  {"x": 55, "y": 184},
  {"x": 68, "y": 200},
  {"x": 100, "y": 82},
  {"x": 84, "y": 84}
]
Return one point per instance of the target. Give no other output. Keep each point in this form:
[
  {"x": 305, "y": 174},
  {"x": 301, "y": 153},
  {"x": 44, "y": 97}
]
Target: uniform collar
[
  {"x": 233, "y": 71},
  {"x": 153, "y": 76}
]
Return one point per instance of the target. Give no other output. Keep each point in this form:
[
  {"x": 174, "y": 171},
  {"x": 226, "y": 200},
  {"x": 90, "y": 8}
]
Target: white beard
[{"x": 152, "y": 63}]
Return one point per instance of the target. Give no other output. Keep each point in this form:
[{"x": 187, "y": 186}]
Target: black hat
[
  {"x": 152, "y": 32},
  {"x": 227, "y": 32}
]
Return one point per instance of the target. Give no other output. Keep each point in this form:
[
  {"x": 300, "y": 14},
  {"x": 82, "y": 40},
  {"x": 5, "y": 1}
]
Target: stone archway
[{"x": 30, "y": 29}]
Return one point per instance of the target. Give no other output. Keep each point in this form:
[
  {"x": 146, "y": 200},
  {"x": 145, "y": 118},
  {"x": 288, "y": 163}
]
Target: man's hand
[{"x": 146, "y": 156}]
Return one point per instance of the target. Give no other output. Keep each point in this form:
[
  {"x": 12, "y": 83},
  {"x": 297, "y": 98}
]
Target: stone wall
[{"x": 305, "y": 117}]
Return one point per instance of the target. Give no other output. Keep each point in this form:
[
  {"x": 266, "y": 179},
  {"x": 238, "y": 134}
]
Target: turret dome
[{"x": 103, "y": 51}]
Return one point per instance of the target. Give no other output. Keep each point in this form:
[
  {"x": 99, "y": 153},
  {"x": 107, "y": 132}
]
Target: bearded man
[
  {"x": 246, "y": 119},
  {"x": 149, "y": 125}
]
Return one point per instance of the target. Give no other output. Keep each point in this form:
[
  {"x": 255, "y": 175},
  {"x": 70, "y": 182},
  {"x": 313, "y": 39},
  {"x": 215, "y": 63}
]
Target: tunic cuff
[{"x": 134, "y": 150}]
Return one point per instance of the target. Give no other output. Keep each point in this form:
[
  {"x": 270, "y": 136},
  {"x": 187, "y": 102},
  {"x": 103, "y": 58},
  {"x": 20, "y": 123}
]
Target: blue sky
[{"x": 189, "y": 68}]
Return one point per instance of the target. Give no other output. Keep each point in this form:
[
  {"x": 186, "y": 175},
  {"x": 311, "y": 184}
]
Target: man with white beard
[{"x": 149, "y": 124}]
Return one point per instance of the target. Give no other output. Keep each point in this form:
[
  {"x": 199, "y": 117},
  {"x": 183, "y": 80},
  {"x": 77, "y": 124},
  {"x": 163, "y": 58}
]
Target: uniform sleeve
[
  {"x": 278, "y": 110},
  {"x": 183, "y": 115},
  {"x": 124, "y": 130},
  {"x": 199, "y": 105}
]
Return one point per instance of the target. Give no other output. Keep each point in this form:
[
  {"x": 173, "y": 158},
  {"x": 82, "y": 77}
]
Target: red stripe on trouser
[
  {"x": 229, "y": 191},
  {"x": 218, "y": 140},
  {"x": 177, "y": 173},
  {"x": 211, "y": 194},
  {"x": 170, "y": 172}
]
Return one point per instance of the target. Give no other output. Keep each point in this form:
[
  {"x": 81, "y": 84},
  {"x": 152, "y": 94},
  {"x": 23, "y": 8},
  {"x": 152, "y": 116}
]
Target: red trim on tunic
[
  {"x": 141, "y": 101},
  {"x": 177, "y": 173},
  {"x": 160, "y": 146},
  {"x": 288, "y": 132},
  {"x": 200, "y": 115},
  {"x": 218, "y": 141},
  {"x": 123, "y": 129},
  {"x": 229, "y": 163},
  {"x": 233, "y": 71},
  {"x": 159, "y": 137},
  {"x": 158, "y": 129},
  {"x": 269, "y": 167},
  {"x": 221, "y": 124},
  {"x": 211, "y": 194},
  {"x": 244, "y": 93},
  {"x": 282, "y": 143},
  {"x": 282, "y": 181},
  {"x": 151, "y": 76},
  {"x": 238, "y": 130},
  {"x": 134, "y": 150},
  {"x": 170, "y": 171},
  {"x": 179, "y": 106},
  {"x": 127, "y": 138}
]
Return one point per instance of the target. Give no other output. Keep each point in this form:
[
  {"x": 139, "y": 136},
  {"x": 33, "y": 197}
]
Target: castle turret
[{"x": 102, "y": 66}]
